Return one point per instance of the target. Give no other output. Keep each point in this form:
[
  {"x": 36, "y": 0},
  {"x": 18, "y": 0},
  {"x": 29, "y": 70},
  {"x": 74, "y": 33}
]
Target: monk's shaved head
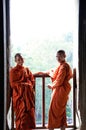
[
  {"x": 19, "y": 59},
  {"x": 61, "y": 52},
  {"x": 61, "y": 56},
  {"x": 18, "y": 55}
]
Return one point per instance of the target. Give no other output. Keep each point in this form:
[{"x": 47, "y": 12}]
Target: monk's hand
[
  {"x": 49, "y": 86},
  {"x": 25, "y": 83}
]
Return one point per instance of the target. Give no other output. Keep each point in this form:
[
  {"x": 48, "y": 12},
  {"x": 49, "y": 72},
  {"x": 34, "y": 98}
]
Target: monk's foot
[
  {"x": 63, "y": 128},
  {"x": 46, "y": 126}
]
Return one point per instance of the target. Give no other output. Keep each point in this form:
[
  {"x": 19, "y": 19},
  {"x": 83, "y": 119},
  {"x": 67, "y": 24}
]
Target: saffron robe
[
  {"x": 22, "y": 82},
  {"x": 60, "y": 91}
]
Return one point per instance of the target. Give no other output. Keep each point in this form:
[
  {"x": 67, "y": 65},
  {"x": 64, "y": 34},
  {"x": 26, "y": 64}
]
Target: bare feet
[{"x": 63, "y": 128}]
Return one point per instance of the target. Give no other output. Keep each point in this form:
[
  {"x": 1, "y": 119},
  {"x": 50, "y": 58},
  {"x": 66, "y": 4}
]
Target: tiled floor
[{"x": 57, "y": 129}]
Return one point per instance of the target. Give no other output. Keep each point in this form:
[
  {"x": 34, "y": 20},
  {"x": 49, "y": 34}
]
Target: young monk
[
  {"x": 60, "y": 90},
  {"x": 22, "y": 83}
]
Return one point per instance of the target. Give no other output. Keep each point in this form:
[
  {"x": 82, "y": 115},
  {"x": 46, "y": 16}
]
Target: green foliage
[{"x": 40, "y": 55}]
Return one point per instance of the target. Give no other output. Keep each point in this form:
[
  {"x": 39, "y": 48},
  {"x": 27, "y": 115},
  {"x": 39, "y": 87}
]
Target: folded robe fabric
[
  {"x": 60, "y": 91},
  {"x": 22, "y": 82}
]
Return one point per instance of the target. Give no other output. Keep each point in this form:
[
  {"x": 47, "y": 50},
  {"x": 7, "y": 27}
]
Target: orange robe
[
  {"x": 22, "y": 82},
  {"x": 59, "y": 96}
]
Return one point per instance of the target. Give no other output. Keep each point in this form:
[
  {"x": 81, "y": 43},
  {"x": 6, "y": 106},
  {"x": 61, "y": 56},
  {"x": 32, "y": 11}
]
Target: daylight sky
[{"x": 41, "y": 19}]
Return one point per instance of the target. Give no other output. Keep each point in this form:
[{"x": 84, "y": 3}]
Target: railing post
[
  {"x": 74, "y": 96},
  {"x": 43, "y": 101}
]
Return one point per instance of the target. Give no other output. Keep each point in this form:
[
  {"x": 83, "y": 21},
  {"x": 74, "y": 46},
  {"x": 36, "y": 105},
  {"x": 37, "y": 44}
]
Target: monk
[
  {"x": 60, "y": 90},
  {"x": 22, "y": 83}
]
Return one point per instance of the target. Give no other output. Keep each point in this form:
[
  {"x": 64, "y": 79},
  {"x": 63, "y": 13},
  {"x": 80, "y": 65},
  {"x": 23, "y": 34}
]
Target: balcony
[{"x": 41, "y": 115}]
